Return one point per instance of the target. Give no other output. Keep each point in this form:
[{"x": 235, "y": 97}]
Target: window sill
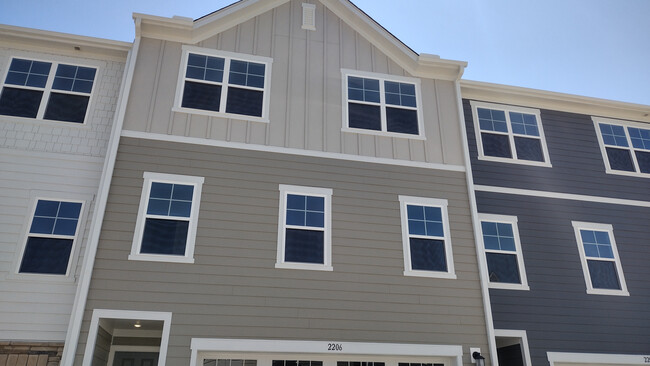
[
  {"x": 626, "y": 173},
  {"x": 46, "y": 122},
  {"x": 41, "y": 277},
  {"x": 305, "y": 266},
  {"x": 430, "y": 274},
  {"x": 508, "y": 286},
  {"x": 515, "y": 161},
  {"x": 383, "y": 133},
  {"x": 608, "y": 292},
  {"x": 220, "y": 114},
  {"x": 160, "y": 258}
]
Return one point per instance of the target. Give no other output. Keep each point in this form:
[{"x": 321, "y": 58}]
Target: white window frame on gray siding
[
  {"x": 511, "y": 135},
  {"x": 512, "y": 221},
  {"x": 225, "y": 84},
  {"x": 326, "y": 194},
  {"x": 48, "y": 89},
  {"x": 577, "y": 226},
  {"x": 149, "y": 178},
  {"x": 74, "y": 250},
  {"x": 603, "y": 147},
  {"x": 405, "y": 201},
  {"x": 382, "y": 78}
]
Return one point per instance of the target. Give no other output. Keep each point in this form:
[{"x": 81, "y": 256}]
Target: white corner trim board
[
  {"x": 288, "y": 150},
  {"x": 565, "y": 358},
  {"x": 562, "y": 196}
]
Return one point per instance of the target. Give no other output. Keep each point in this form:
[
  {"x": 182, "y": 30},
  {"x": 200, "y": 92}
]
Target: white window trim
[
  {"x": 326, "y": 193},
  {"x": 521, "y": 334},
  {"x": 267, "y": 61},
  {"x": 603, "y": 151},
  {"x": 268, "y": 350},
  {"x": 512, "y": 220},
  {"x": 47, "y": 89},
  {"x": 431, "y": 202},
  {"x": 511, "y": 136},
  {"x": 76, "y": 246},
  {"x": 577, "y": 226},
  {"x": 382, "y": 97},
  {"x": 149, "y": 177},
  {"x": 99, "y": 314}
]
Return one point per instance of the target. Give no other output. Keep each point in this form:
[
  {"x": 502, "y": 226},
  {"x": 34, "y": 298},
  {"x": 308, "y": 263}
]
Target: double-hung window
[
  {"x": 224, "y": 84},
  {"x": 382, "y": 104},
  {"x": 601, "y": 264},
  {"x": 167, "y": 219},
  {"x": 502, "y": 247},
  {"x": 625, "y": 146},
  {"x": 425, "y": 237},
  {"x": 304, "y": 232},
  {"x": 47, "y": 90},
  {"x": 509, "y": 134},
  {"x": 53, "y": 230}
]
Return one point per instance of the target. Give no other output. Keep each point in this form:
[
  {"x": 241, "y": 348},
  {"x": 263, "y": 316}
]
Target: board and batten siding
[
  {"x": 48, "y": 159},
  {"x": 233, "y": 289},
  {"x": 305, "y": 91},
  {"x": 557, "y": 313},
  {"x": 577, "y": 162}
]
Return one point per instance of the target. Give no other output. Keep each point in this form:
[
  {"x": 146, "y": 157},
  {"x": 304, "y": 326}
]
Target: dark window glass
[
  {"x": 305, "y": 210},
  {"x": 204, "y": 67},
  {"x": 164, "y": 237},
  {"x": 492, "y": 120},
  {"x": 246, "y": 73},
  {"x": 529, "y": 149},
  {"x": 305, "y": 246},
  {"x": 496, "y": 145},
  {"x": 613, "y": 135},
  {"x": 28, "y": 73},
  {"x": 46, "y": 256},
  {"x": 364, "y": 116},
  {"x": 201, "y": 96},
  {"x": 169, "y": 199},
  {"x": 74, "y": 78},
  {"x": 66, "y": 107},
  {"x": 643, "y": 158},
  {"x": 603, "y": 275},
  {"x": 20, "y": 102},
  {"x": 400, "y": 94},
  {"x": 245, "y": 101},
  {"x": 402, "y": 120},
  {"x": 428, "y": 254},
  {"x": 362, "y": 89},
  {"x": 503, "y": 268},
  {"x": 620, "y": 159}
]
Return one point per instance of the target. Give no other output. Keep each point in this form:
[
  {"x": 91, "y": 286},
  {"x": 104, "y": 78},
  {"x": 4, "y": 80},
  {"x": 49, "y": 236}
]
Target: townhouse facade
[
  {"x": 561, "y": 187},
  {"x": 57, "y": 102},
  {"x": 289, "y": 188}
]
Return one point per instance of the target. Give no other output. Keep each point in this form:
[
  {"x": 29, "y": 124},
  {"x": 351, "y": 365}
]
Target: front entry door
[{"x": 135, "y": 359}]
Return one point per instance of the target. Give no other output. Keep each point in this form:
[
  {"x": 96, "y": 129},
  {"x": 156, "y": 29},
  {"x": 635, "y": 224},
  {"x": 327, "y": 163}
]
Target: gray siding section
[
  {"x": 233, "y": 290},
  {"x": 102, "y": 347},
  {"x": 557, "y": 313},
  {"x": 305, "y": 92},
  {"x": 574, "y": 152}
]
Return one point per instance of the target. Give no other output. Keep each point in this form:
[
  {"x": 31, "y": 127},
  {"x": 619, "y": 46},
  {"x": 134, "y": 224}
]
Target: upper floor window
[
  {"x": 425, "y": 237},
  {"x": 502, "y": 246},
  {"x": 625, "y": 146},
  {"x": 224, "y": 84},
  {"x": 167, "y": 219},
  {"x": 304, "y": 233},
  {"x": 601, "y": 264},
  {"x": 53, "y": 230},
  {"x": 509, "y": 134},
  {"x": 382, "y": 104},
  {"x": 47, "y": 90}
]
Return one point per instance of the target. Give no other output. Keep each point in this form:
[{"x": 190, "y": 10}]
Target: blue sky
[{"x": 596, "y": 48}]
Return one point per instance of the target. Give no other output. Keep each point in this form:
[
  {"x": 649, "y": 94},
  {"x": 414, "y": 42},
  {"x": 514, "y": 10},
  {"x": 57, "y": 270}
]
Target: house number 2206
[
  {"x": 646, "y": 359},
  {"x": 334, "y": 347}
]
